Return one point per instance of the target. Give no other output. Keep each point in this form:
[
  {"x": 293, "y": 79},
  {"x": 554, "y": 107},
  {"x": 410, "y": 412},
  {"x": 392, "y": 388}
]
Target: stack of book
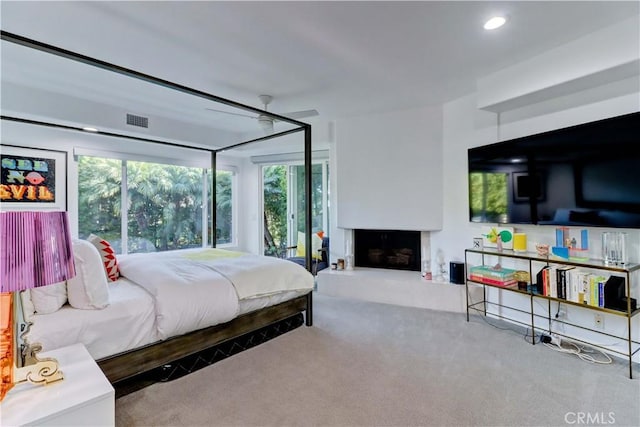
[
  {"x": 572, "y": 284},
  {"x": 497, "y": 276}
]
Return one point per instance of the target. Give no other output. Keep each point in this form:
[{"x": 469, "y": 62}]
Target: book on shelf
[
  {"x": 492, "y": 275},
  {"x": 492, "y": 281},
  {"x": 552, "y": 287},
  {"x": 597, "y": 289},
  {"x": 563, "y": 284},
  {"x": 546, "y": 278},
  {"x": 575, "y": 291},
  {"x": 500, "y": 273},
  {"x": 560, "y": 282},
  {"x": 584, "y": 279},
  {"x": 541, "y": 281},
  {"x": 556, "y": 281},
  {"x": 574, "y": 284}
]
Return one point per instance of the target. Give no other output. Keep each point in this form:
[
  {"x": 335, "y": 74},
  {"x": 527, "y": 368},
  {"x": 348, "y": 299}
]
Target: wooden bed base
[{"x": 128, "y": 364}]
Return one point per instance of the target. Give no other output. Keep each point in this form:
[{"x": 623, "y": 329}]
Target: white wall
[
  {"x": 605, "y": 56},
  {"x": 249, "y": 205},
  {"x": 389, "y": 170}
]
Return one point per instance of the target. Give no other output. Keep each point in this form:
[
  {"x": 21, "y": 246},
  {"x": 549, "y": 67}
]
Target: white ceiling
[{"x": 341, "y": 58}]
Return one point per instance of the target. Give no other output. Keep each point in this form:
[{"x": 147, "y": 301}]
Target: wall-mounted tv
[{"x": 587, "y": 175}]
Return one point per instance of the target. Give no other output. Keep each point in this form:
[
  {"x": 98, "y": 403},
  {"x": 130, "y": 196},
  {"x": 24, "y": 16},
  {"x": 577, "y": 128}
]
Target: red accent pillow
[{"x": 108, "y": 256}]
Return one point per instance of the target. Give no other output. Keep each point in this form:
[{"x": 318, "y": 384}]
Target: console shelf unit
[{"x": 491, "y": 256}]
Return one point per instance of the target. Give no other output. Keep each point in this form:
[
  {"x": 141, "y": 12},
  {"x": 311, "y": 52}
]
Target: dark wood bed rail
[{"x": 128, "y": 364}]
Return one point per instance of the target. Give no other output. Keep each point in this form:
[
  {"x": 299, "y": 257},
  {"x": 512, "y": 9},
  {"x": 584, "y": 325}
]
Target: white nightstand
[{"x": 84, "y": 398}]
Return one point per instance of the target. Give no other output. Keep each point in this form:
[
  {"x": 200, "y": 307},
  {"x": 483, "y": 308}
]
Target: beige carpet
[{"x": 368, "y": 364}]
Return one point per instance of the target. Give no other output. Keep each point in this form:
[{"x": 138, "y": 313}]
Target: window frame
[
  {"x": 292, "y": 235},
  {"x": 207, "y": 202},
  {"x": 234, "y": 208}
]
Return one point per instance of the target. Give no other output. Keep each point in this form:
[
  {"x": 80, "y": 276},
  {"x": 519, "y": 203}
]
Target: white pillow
[
  {"x": 88, "y": 289},
  {"x": 49, "y": 299}
]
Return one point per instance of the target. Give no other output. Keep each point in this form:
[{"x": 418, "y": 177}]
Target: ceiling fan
[{"x": 266, "y": 122}]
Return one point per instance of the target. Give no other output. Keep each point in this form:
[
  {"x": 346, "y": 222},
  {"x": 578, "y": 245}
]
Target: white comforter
[
  {"x": 129, "y": 321},
  {"x": 196, "y": 288}
]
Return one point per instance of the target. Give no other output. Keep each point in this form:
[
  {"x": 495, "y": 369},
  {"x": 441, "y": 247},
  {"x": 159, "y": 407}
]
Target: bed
[
  {"x": 161, "y": 334},
  {"x": 167, "y": 305}
]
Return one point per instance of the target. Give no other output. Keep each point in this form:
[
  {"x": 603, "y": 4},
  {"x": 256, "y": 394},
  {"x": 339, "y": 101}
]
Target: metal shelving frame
[{"x": 533, "y": 258}]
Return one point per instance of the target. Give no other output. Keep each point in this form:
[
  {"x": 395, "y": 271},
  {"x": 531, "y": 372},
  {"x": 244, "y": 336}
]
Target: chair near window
[{"x": 318, "y": 262}]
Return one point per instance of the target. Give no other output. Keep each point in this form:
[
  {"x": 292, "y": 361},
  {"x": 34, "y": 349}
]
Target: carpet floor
[{"x": 370, "y": 364}]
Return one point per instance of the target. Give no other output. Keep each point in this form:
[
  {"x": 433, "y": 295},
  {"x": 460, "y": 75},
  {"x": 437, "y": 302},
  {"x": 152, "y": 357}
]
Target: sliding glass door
[
  {"x": 319, "y": 197},
  {"x": 284, "y": 204}
]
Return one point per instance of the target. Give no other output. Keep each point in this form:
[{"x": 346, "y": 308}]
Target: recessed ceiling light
[
  {"x": 89, "y": 129},
  {"x": 495, "y": 22}
]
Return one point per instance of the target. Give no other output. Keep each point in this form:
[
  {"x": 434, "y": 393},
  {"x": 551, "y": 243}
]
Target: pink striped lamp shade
[{"x": 35, "y": 249}]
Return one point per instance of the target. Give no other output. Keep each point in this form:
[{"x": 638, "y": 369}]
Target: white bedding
[
  {"x": 253, "y": 304},
  {"x": 256, "y": 276},
  {"x": 197, "y": 288},
  {"x": 127, "y": 322},
  {"x": 164, "y": 294}
]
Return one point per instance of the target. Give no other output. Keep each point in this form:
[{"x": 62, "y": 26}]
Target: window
[
  {"x": 165, "y": 206},
  {"x": 144, "y": 207},
  {"x": 99, "y": 198},
  {"x": 224, "y": 206}
]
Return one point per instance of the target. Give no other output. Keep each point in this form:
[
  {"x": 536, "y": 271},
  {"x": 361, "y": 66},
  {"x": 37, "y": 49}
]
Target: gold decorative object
[
  {"x": 523, "y": 278},
  {"x": 34, "y": 369}
]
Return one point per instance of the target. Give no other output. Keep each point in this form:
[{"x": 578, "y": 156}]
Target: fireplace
[{"x": 392, "y": 249}]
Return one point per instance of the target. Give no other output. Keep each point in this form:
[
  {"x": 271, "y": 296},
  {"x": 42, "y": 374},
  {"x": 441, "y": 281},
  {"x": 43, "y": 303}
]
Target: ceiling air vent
[{"x": 139, "y": 121}]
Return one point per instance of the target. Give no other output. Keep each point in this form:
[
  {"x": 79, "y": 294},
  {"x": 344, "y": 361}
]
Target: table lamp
[{"x": 35, "y": 250}]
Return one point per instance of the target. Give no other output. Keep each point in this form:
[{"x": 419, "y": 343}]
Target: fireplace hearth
[{"x": 391, "y": 249}]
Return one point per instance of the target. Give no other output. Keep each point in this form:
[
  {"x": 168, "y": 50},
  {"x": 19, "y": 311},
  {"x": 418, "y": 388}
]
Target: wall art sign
[{"x": 32, "y": 179}]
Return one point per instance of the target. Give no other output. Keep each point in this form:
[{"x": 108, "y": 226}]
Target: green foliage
[
  {"x": 224, "y": 205},
  {"x": 275, "y": 209},
  {"x": 165, "y": 205},
  {"x": 99, "y": 201},
  {"x": 164, "y": 202}
]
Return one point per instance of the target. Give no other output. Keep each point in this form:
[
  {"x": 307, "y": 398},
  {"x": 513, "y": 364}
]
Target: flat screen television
[{"x": 587, "y": 175}]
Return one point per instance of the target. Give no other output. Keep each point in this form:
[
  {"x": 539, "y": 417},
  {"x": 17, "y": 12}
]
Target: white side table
[{"x": 83, "y": 398}]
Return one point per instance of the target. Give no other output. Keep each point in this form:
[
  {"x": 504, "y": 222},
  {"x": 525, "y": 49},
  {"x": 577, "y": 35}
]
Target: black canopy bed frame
[{"x": 128, "y": 364}]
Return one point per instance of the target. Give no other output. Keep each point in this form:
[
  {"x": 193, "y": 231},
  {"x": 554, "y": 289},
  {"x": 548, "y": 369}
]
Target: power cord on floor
[
  {"x": 581, "y": 351},
  {"x": 527, "y": 336}
]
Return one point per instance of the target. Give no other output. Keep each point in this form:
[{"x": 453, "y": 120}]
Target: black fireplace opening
[{"x": 393, "y": 249}]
